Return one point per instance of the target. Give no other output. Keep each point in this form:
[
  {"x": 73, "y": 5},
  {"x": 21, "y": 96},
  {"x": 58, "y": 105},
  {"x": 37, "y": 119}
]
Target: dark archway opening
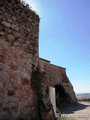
[{"x": 62, "y": 98}]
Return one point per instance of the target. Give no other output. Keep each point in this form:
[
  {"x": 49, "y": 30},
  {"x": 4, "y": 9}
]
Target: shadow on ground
[{"x": 74, "y": 107}]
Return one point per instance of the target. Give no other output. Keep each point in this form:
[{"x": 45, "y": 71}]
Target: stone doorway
[
  {"x": 52, "y": 96},
  {"x": 59, "y": 98},
  {"x": 62, "y": 98}
]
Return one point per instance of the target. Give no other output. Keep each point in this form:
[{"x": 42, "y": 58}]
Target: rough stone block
[
  {"x": 7, "y": 24},
  {"x": 15, "y": 27}
]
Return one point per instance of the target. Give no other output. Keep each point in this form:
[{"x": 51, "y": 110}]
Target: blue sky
[{"x": 64, "y": 37}]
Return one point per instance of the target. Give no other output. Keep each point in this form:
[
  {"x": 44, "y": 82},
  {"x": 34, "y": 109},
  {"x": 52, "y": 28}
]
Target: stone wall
[
  {"x": 24, "y": 78},
  {"x": 19, "y": 29},
  {"x": 56, "y": 76}
]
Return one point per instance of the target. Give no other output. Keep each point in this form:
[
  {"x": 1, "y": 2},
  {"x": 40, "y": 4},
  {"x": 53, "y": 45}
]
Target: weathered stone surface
[
  {"x": 17, "y": 98},
  {"x": 5, "y": 116},
  {"x": 15, "y": 27},
  {"x": 45, "y": 107},
  {"x": 24, "y": 78},
  {"x": 56, "y": 77},
  {"x": 7, "y": 24}
]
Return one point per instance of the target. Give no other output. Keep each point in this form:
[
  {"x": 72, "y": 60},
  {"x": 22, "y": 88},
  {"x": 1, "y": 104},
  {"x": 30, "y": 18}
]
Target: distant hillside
[{"x": 83, "y": 96}]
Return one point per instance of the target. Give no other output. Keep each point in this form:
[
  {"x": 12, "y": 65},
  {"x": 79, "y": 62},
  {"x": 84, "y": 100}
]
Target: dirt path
[{"x": 79, "y": 111}]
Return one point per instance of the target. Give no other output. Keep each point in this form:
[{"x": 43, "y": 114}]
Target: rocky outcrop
[{"x": 24, "y": 78}]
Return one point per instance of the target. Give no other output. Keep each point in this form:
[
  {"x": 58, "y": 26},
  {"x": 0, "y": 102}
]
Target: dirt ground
[{"x": 78, "y": 111}]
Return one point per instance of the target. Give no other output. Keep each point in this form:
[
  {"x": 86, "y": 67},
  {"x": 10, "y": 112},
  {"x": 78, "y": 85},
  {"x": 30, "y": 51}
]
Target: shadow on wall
[{"x": 62, "y": 98}]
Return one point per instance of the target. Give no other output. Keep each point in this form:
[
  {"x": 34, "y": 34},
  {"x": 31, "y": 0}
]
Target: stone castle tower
[{"x": 24, "y": 77}]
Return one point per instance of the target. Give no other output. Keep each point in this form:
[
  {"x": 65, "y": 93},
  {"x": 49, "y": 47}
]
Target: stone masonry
[
  {"x": 24, "y": 77},
  {"x": 56, "y": 76}
]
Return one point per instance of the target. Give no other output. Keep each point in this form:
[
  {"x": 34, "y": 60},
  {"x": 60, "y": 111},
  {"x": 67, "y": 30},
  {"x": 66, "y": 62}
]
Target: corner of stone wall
[{"x": 19, "y": 33}]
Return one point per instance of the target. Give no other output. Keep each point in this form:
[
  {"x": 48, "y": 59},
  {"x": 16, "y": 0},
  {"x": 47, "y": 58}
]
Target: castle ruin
[{"x": 25, "y": 79}]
